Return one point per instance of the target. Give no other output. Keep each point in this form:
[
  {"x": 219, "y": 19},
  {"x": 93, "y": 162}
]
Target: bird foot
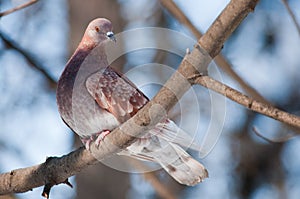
[
  {"x": 87, "y": 142},
  {"x": 97, "y": 137},
  {"x": 101, "y": 136}
]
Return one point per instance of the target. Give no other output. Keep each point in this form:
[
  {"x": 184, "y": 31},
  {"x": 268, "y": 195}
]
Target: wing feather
[{"x": 115, "y": 93}]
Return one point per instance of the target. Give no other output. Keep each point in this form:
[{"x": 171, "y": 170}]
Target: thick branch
[
  {"x": 145, "y": 119},
  {"x": 7, "y": 12},
  {"x": 54, "y": 170},
  {"x": 212, "y": 41}
]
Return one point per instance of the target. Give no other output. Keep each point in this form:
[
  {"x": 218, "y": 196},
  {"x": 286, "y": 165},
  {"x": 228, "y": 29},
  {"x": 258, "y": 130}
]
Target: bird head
[{"x": 98, "y": 30}]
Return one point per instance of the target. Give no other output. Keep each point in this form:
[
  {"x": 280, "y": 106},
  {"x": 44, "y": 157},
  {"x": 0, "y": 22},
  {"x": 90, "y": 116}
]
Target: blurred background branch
[
  {"x": 32, "y": 60},
  {"x": 288, "y": 8},
  {"x": 7, "y": 12}
]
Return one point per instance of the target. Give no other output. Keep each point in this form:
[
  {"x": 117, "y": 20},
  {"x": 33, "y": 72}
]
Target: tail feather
[
  {"x": 162, "y": 146},
  {"x": 184, "y": 169},
  {"x": 170, "y": 132},
  {"x": 178, "y": 163}
]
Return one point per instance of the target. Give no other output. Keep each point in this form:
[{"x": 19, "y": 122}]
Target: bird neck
[
  {"x": 86, "y": 60},
  {"x": 87, "y": 50},
  {"x": 87, "y": 43}
]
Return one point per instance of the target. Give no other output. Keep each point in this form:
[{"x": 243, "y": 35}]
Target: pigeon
[{"x": 93, "y": 99}]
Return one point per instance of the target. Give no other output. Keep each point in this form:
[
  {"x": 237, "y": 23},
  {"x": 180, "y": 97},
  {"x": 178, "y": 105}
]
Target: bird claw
[
  {"x": 87, "y": 142},
  {"x": 99, "y": 137}
]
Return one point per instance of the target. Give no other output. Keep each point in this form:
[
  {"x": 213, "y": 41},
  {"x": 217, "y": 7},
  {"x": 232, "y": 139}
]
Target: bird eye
[{"x": 97, "y": 29}]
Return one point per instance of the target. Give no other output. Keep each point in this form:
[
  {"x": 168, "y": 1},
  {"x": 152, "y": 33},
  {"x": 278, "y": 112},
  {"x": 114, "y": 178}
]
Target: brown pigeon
[{"x": 93, "y": 99}]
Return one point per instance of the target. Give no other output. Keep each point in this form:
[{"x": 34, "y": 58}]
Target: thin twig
[
  {"x": 285, "y": 3},
  {"x": 7, "y": 12},
  {"x": 30, "y": 58},
  {"x": 248, "y": 102},
  {"x": 220, "y": 60}
]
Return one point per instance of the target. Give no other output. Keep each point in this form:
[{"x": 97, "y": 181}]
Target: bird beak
[{"x": 111, "y": 36}]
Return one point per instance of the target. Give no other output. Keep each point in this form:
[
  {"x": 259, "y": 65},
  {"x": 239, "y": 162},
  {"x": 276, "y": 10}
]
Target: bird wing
[
  {"x": 115, "y": 93},
  {"x": 119, "y": 96}
]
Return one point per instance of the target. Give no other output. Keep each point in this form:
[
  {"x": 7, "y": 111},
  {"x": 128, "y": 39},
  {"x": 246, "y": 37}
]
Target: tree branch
[
  {"x": 53, "y": 170},
  {"x": 7, "y": 12},
  {"x": 25, "y": 179},
  {"x": 30, "y": 58},
  {"x": 288, "y": 8},
  {"x": 160, "y": 188},
  {"x": 220, "y": 60},
  {"x": 248, "y": 102}
]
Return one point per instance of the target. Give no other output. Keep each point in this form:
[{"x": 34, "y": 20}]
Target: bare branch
[
  {"x": 225, "y": 24},
  {"x": 220, "y": 60},
  {"x": 248, "y": 102},
  {"x": 7, "y": 12},
  {"x": 30, "y": 58},
  {"x": 54, "y": 170},
  {"x": 57, "y": 170},
  {"x": 285, "y": 3},
  {"x": 180, "y": 16},
  {"x": 160, "y": 188}
]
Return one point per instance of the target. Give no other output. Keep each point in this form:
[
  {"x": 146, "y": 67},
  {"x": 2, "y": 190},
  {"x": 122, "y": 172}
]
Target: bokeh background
[{"x": 36, "y": 42}]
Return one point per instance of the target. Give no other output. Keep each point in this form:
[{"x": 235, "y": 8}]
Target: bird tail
[
  {"x": 170, "y": 132},
  {"x": 181, "y": 166},
  {"x": 178, "y": 163},
  {"x": 161, "y": 145}
]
